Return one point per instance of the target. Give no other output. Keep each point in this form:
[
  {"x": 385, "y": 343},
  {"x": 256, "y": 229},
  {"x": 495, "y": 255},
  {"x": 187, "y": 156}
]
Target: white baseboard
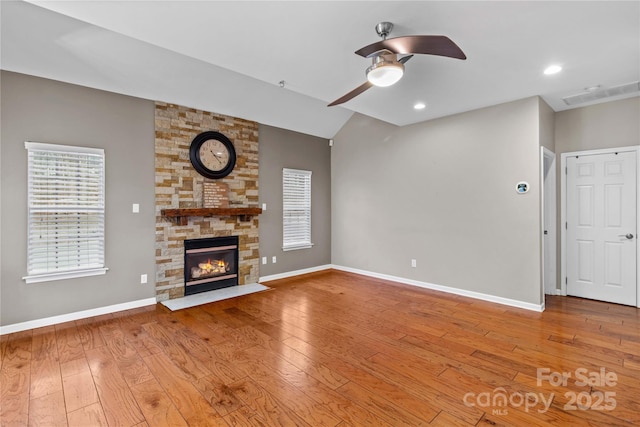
[
  {"x": 294, "y": 273},
  {"x": 447, "y": 289},
  {"x": 48, "y": 321}
]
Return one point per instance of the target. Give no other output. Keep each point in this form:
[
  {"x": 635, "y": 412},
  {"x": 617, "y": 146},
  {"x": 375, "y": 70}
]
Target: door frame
[
  {"x": 548, "y": 203},
  {"x": 563, "y": 210}
]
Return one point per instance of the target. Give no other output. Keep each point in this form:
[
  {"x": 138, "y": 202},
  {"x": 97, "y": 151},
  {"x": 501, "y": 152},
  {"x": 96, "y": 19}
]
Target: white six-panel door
[{"x": 601, "y": 227}]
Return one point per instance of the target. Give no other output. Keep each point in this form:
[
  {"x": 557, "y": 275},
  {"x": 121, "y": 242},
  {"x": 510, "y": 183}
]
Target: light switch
[
  {"x": 264, "y": 260},
  {"x": 264, "y": 206},
  {"x": 136, "y": 208}
]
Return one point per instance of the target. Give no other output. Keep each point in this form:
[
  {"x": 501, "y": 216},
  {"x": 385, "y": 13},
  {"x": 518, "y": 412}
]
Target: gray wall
[
  {"x": 280, "y": 148},
  {"x": 35, "y": 109},
  {"x": 547, "y": 126},
  {"x": 608, "y": 125},
  {"x": 442, "y": 192}
]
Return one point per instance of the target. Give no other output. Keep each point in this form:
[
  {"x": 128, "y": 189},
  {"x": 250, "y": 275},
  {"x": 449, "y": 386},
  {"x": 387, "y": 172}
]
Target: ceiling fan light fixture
[{"x": 384, "y": 72}]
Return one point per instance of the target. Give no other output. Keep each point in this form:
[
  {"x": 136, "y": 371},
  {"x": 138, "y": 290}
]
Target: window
[
  {"x": 66, "y": 212},
  {"x": 296, "y": 209}
]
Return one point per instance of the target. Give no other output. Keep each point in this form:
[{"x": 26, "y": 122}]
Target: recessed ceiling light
[
  {"x": 552, "y": 69},
  {"x": 420, "y": 106}
]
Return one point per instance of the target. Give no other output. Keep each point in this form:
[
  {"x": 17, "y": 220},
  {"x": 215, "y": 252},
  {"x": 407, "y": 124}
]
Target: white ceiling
[{"x": 229, "y": 56}]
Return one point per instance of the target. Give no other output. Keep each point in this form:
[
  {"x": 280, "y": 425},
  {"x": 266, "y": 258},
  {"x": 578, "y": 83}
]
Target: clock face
[{"x": 212, "y": 154}]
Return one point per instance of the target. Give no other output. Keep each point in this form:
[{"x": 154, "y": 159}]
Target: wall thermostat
[{"x": 522, "y": 187}]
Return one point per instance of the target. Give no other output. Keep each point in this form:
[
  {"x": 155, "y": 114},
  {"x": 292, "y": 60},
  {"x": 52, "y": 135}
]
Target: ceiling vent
[{"x": 596, "y": 95}]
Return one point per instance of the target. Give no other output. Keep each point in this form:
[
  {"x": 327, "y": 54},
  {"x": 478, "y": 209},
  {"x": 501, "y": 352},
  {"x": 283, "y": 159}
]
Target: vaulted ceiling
[{"x": 229, "y": 57}]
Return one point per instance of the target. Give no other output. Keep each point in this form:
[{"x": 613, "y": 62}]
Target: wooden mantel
[{"x": 182, "y": 215}]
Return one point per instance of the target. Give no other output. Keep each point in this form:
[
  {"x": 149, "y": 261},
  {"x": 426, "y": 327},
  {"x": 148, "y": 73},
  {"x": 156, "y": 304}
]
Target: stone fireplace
[{"x": 179, "y": 186}]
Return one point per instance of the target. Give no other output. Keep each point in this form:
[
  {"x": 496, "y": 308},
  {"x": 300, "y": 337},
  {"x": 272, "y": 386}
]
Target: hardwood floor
[{"x": 330, "y": 349}]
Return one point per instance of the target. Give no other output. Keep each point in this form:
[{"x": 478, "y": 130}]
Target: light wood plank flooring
[{"x": 330, "y": 349}]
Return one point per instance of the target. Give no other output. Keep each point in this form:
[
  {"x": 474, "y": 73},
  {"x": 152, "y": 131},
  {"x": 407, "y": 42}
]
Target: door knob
[{"x": 628, "y": 236}]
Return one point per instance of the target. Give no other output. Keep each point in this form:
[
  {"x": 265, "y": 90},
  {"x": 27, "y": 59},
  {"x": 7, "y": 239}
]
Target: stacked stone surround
[{"x": 178, "y": 185}]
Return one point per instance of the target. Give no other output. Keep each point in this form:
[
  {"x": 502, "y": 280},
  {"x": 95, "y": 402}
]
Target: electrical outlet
[
  {"x": 264, "y": 260},
  {"x": 413, "y": 263},
  {"x": 273, "y": 260},
  {"x": 143, "y": 278}
]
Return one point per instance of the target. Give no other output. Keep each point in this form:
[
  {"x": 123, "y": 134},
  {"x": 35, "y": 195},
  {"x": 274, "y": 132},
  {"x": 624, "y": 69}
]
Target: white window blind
[
  {"x": 66, "y": 211},
  {"x": 296, "y": 209}
]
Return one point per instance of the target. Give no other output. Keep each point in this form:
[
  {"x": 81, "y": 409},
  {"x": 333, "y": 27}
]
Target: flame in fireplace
[
  {"x": 217, "y": 266},
  {"x": 209, "y": 269}
]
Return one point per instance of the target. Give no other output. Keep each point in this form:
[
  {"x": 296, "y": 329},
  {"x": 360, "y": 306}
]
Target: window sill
[
  {"x": 296, "y": 247},
  {"x": 49, "y": 277}
]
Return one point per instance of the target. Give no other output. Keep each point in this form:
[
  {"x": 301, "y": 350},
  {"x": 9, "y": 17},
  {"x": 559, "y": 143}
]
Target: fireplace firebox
[{"x": 210, "y": 263}]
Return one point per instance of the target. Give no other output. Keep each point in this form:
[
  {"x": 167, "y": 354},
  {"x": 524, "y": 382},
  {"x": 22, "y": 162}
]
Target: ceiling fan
[{"x": 386, "y": 69}]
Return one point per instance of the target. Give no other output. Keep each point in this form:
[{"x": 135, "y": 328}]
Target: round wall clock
[{"x": 212, "y": 154}]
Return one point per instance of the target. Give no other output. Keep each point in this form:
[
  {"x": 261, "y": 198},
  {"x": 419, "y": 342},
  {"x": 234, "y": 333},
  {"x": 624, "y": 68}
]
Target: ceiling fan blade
[
  {"x": 429, "y": 45},
  {"x": 404, "y": 59},
  {"x": 357, "y": 91}
]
